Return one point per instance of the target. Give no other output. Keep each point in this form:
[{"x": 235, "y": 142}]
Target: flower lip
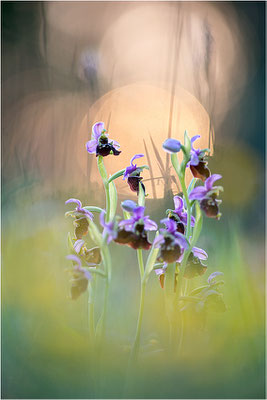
[{"x": 171, "y": 145}]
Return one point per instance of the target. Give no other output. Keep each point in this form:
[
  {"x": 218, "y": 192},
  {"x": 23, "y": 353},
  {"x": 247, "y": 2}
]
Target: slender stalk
[
  {"x": 91, "y": 316},
  {"x": 104, "y": 176},
  {"x": 107, "y": 202},
  {"x": 136, "y": 344},
  {"x": 104, "y": 248},
  {"x": 140, "y": 262},
  {"x": 170, "y": 302}
]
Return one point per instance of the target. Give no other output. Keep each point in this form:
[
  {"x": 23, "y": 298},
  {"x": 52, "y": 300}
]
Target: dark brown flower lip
[
  {"x": 79, "y": 285},
  {"x": 81, "y": 227},
  {"x": 135, "y": 240},
  {"x": 210, "y": 207},
  {"x": 133, "y": 182},
  {"x": 200, "y": 171},
  {"x": 106, "y": 149}
]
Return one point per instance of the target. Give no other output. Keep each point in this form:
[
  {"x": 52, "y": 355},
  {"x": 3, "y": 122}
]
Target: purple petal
[
  {"x": 74, "y": 258},
  {"x": 183, "y": 217},
  {"x": 128, "y": 205},
  {"x": 180, "y": 259},
  {"x": 115, "y": 144},
  {"x": 210, "y": 181},
  {"x": 138, "y": 212},
  {"x": 194, "y": 138},
  {"x": 194, "y": 158},
  {"x": 181, "y": 240},
  {"x": 162, "y": 270},
  {"x": 198, "y": 193},
  {"x": 213, "y": 275},
  {"x": 91, "y": 146},
  {"x": 87, "y": 212},
  {"x": 150, "y": 225},
  {"x": 171, "y": 146},
  {"x": 199, "y": 253},
  {"x": 159, "y": 271},
  {"x": 158, "y": 240},
  {"x": 78, "y": 202},
  {"x": 178, "y": 203},
  {"x": 127, "y": 224},
  {"x": 135, "y": 157},
  {"x": 102, "y": 218},
  {"x": 97, "y": 129},
  {"x": 171, "y": 225},
  {"x": 78, "y": 245},
  {"x": 128, "y": 171},
  {"x": 86, "y": 273}
]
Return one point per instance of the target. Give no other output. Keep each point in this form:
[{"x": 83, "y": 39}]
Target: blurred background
[{"x": 149, "y": 70}]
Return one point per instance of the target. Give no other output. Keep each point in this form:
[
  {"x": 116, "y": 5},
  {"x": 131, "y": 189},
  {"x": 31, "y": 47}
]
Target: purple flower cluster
[{"x": 207, "y": 195}]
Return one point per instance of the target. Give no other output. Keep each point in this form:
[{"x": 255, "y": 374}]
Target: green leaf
[
  {"x": 150, "y": 262},
  {"x": 141, "y": 196},
  {"x": 116, "y": 175},
  {"x": 99, "y": 326},
  {"x": 191, "y": 185},
  {"x": 70, "y": 244},
  {"x": 113, "y": 200},
  {"x": 175, "y": 163},
  {"x": 187, "y": 143},
  {"x": 95, "y": 234},
  {"x": 199, "y": 289},
  {"x": 93, "y": 209},
  {"x": 126, "y": 215},
  {"x": 198, "y": 225}
]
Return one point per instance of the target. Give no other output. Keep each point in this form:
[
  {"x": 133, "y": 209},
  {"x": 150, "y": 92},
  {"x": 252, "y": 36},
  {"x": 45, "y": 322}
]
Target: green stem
[
  {"x": 107, "y": 202},
  {"x": 140, "y": 262},
  {"x": 136, "y": 344},
  {"x": 170, "y": 302},
  {"x": 91, "y": 299},
  {"x": 104, "y": 176}
]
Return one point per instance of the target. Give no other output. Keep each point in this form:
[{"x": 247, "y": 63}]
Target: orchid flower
[
  {"x": 197, "y": 163},
  {"x": 207, "y": 195},
  {"x": 133, "y": 231},
  {"x": 82, "y": 215},
  {"x": 80, "y": 277},
  {"x": 100, "y": 144},
  {"x": 171, "y": 242},
  {"x": 132, "y": 173}
]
